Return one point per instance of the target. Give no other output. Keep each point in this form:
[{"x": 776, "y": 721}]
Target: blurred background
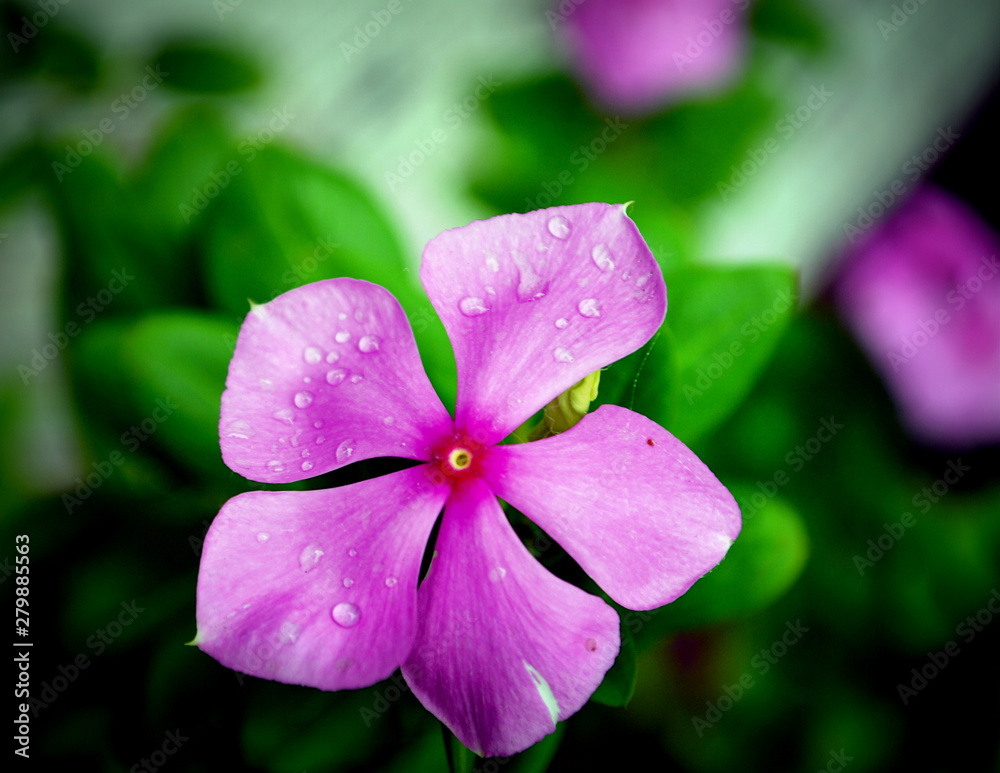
[{"x": 816, "y": 179}]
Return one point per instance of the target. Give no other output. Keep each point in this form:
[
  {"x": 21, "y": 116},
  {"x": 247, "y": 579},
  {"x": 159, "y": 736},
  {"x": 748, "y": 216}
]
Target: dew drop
[
  {"x": 306, "y": 453},
  {"x": 472, "y": 306},
  {"x": 626, "y": 276},
  {"x": 342, "y": 316},
  {"x": 284, "y": 414},
  {"x": 492, "y": 264},
  {"x": 332, "y": 357},
  {"x": 266, "y": 384},
  {"x": 312, "y": 354},
  {"x": 346, "y": 614},
  {"x": 388, "y": 421},
  {"x": 275, "y": 466},
  {"x": 359, "y": 315},
  {"x": 602, "y": 257},
  {"x": 562, "y": 355},
  {"x": 642, "y": 280},
  {"x": 263, "y": 536},
  {"x": 309, "y": 557},
  {"x": 390, "y": 582},
  {"x": 352, "y": 552},
  {"x": 559, "y": 227},
  {"x": 357, "y": 378},
  {"x": 320, "y": 440},
  {"x": 303, "y": 399},
  {"x": 591, "y": 645},
  {"x": 497, "y": 573},
  {"x": 342, "y": 337},
  {"x": 562, "y": 323},
  {"x": 307, "y": 380},
  {"x": 345, "y": 451},
  {"x": 530, "y": 285},
  {"x": 307, "y": 465},
  {"x": 348, "y": 582},
  {"x": 239, "y": 429},
  {"x": 589, "y": 307},
  {"x": 369, "y": 344},
  {"x": 335, "y": 376},
  {"x": 318, "y": 423}
]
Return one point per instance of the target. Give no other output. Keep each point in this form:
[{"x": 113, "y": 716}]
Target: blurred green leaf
[
  {"x": 205, "y": 67},
  {"x": 285, "y": 221},
  {"x": 20, "y": 170},
  {"x": 726, "y": 323},
  {"x": 111, "y": 266},
  {"x": 189, "y": 152},
  {"x": 619, "y": 682},
  {"x": 764, "y": 562},
  {"x": 790, "y": 21},
  {"x": 53, "y": 49},
  {"x": 177, "y": 365}
]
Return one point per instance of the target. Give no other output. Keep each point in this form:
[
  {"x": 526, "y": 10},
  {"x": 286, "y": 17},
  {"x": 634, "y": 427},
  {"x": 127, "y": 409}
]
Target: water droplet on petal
[
  {"x": 626, "y": 276},
  {"x": 342, "y": 337},
  {"x": 335, "y": 376},
  {"x": 284, "y": 414},
  {"x": 591, "y": 645},
  {"x": 602, "y": 257},
  {"x": 530, "y": 284},
  {"x": 348, "y": 582},
  {"x": 497, "y": 573},
  {"x": 346, "y": 614},
  {"x": 306, "y": 466},
  {"x": 239, "y": 429},
  {"x": 559, "y": 227},
  {"x": 312, "y": 354},
  {"x": 332, "y": 357},
  {"x": 352, "y": 552},
  {"x": 359, "y": 315},
  {"x": 266, "y": 384},
  {"x": 492, "y": 264},
  {"x": 388, "y": 421},
  {"x": 390, "y": 582},
  {"x": 562, "y": 323},
  {"x": 589, "y": 307},
  {"x": 369, "y": 344},
  {"x": 472, "y": 306},
  {"x": 318, "y": 423},
  {"x": 342, "y": 316},
  {"x": 642, "y": 280},
  {"x": 320, "y": 440},
  {"x": 303, "y": 399},
  {"x": 345, "y": 451},
  {"x": 562, "y": 355},
  {"x": 275, "y": 466},
  {"x": 309, "y": 557},
  {"x": 263, "y": 537},
  {"x": 357, "y": 378}
]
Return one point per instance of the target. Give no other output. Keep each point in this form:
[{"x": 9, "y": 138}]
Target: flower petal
[
  {"x": 535, "y": 302},
  {"x": 640, "y": 513},
  {"x": 325, "y": 375},
  {"x": 317, "y": 587},
  {"x": 503, "y": 648}
]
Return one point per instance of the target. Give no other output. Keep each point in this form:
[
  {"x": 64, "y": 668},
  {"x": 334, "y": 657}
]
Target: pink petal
[
  {"x": 638, "y": 54},
  {"x": 503, "y": 648},
  {"x": 640, "y": 513},
  {"x": 921, "y": 293},
  {"x": 535, "y": 302},
  {"x": 325, "y": 375},
  {"x": 317, "y": 587}
]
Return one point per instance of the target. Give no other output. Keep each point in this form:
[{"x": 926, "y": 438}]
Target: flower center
[
  {"x": 457, "y": 457},
  {"x": 460, "y": 459}
]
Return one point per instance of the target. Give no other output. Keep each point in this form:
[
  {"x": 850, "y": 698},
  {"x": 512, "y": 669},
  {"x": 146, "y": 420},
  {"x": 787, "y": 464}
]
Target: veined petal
[
  {"x": 504, "y": 649},
  {"x": 535, "y": 302},
  {"x": 325, "y": 375},
  {"x": 640, "y": 513},
  {"x": 317, "y": 587}
]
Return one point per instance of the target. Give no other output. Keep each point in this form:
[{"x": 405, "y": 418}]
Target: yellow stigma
[{"x": 460, "y": 459}]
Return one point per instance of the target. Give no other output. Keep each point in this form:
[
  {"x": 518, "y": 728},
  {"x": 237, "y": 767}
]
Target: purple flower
[
  {"x": 637, "y": 55},
  {"x": 320, "y": 587},
  {"x": 921, "y": 293}
]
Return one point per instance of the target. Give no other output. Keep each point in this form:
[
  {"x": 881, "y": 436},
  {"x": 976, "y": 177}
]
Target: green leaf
[
  {"x": 764, "y": 562},
  {"x": 285, "y": 220},
  {"x": 726, "y": 323},
  {"x": 187, "y": 157},
  {"x": 177, "y": 364},
  {"x": 619, "y": 682},
  {"x": 790, "y": 21},
  {"x": 205, "y": 67}
]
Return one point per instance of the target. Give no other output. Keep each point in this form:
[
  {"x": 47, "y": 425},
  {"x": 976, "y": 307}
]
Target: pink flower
[
  {"x": 922, "y": 294},
  {"x": 637, "y": 55},
  {"x": 320, "y": 588}
]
